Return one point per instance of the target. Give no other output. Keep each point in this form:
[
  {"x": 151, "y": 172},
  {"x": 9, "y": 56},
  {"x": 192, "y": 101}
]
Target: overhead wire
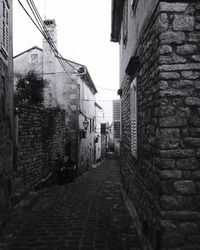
[{"x": 39, "y": 24}]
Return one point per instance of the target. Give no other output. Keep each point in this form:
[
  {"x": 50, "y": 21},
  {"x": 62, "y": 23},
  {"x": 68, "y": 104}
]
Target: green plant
[{"x": 29, "y": 88}]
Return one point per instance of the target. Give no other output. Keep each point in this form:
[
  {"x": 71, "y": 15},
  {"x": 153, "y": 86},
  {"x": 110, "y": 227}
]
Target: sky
[{"x": 83, "y": 34}]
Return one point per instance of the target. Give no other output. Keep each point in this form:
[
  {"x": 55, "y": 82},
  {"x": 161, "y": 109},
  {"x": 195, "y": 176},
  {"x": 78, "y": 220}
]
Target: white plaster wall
[
  {"x": 86, "y": 145},
  {"x": 99, "y": 120},
  {"x": 135, "y": 26},
  {"x": 22, "y": 63}
]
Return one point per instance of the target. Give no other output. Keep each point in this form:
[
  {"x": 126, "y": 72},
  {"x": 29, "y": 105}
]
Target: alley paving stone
[{"x": 87, "y": 214}]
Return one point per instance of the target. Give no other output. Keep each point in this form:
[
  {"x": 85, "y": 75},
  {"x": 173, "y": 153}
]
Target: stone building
[
  {"x": 70, "y": 88},
  {"x": 6, "y": 108},
  {"x": 160, "y": 97}
]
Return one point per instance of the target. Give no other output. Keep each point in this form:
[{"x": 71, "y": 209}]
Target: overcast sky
[{"x": 83, "y": 28}]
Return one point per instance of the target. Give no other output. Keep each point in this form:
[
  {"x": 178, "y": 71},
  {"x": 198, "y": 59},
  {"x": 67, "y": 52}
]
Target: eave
[{"x": 116, "y": 19}]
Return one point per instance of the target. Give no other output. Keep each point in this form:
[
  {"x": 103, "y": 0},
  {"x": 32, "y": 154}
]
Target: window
[
  {"x": 133, "y": 102},
  {"x": 133, "y": 7},
  {"x": 125, "y": 23},
  {"x": 5, "y": 26},
  {"x": 33, "y": 58}
]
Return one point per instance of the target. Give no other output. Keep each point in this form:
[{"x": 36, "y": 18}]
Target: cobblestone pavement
[{"x": 87, "y": 214}]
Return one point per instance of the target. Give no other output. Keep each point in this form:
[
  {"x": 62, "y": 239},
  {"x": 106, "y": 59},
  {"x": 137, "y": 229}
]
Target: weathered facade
[
  {"x": 98, "y": 120},
  {"x": 70, "y": 88},
  {"x": 6, "y": 108},
  {"x": 116, "y": 126},
  {"x": 160, "y": 79}
]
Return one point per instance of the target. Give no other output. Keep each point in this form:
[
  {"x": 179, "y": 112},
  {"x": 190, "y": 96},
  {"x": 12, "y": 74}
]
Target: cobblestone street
[{"x": 88, "y": 213}]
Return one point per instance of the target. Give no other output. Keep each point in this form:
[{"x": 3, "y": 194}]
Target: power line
[
  {"x": 42, "y": 29},
  {"x": 41, "y": 21},
  {"x": 107, "y": 88}
]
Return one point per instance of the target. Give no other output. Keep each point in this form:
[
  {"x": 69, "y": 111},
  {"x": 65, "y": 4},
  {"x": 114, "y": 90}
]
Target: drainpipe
[
  {"x": 15, "y": 138},
  {"x": 77, "y": 123}
]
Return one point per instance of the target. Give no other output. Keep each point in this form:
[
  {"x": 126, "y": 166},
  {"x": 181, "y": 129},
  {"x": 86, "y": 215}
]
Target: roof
[
  {"x": 116, "y": 19},
  {"x": 97, "y": 105},
  {"x": 35, "y": 47},
  {"x": 85, "y": 76}
]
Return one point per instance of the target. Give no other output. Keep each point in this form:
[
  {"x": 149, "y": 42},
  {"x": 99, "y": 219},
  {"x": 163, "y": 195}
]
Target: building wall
[
  {"x": 98, "y": 120},
  {"x": 6, "y": 121},
  {"x": 30, "y": 60},
  {"x": 137, "y": 22},
  {"x": 163, "y": 181},
  {"x": 40, "y": 142},
  {"x": 86, "y": 145}
]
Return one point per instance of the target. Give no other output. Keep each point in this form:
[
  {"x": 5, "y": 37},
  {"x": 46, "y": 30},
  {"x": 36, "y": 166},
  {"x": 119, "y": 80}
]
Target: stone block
[
  {"x": 178, "y": 67},
  {"x": 195, "y": 175},
  {"x": 168, "y": 225},
  {"x": 192, "y": 101},
  {"x": 168, "y": 138},
  {"x": 189, "y": 228},
  {"x": 172, "y": 121},
  {"x": 196, "y": 58},
  {"x": 194, "y": 37},
  {"x": 182, "y": 84},
  {"x": 186, "y": 49},
  {"x": 181, "y": 215},
  {"x": 191, "y": 163},
  {"x": 172, "y": 239},
  {"x": 171, "y": 58},
  {"x": 173, "y": 7},
  {"x": 171, "y": 202},
  {"x": 183, "y": 23},
  {"x": 165, "y": 49},
  {"x": 172, "y": 37},
  {"x": 185, "y": 187},
  {"x": 163, "y": 163},
  {"x": 192, "y": 141},
  {"x": 163, "y": 22},
  {"x": 169, "y": 75},
  {"x": 176, "y": 92},
  {"x": 177, "y": 153},
  {"x": 191, "y": 75},
  {"x": 170, "y": 174}
]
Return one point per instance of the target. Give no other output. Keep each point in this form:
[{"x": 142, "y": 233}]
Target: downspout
[{"x": 77, "y": 124}]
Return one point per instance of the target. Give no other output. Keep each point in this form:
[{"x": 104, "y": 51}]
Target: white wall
[{"x": 136, "y": 24}]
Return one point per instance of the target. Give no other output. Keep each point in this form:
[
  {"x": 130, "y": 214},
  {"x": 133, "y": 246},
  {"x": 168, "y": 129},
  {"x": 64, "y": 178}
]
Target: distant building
[
  {"x": 6, "y": 109},
  {"x": 116, "y": 125},
  {"x": 160, "y": 100},
  {"x": 98, "y": 120},
  {"x": 69, "y": 87}
]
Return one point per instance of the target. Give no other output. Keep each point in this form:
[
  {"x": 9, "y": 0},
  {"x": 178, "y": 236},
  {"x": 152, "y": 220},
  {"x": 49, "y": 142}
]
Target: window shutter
[
  {"x": 5, "y": 27},
  {"x": 133, "y": 97}
]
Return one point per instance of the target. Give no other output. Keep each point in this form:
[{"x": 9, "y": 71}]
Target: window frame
[{"x": 134, "y": 118}]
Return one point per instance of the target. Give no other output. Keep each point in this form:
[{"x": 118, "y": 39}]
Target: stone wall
[
  {"x": 163, "y": 182},
  {"x": 103, "y": 145},
  {"x": 6, "y": 124},
  {"x": 41, "y": 140}
]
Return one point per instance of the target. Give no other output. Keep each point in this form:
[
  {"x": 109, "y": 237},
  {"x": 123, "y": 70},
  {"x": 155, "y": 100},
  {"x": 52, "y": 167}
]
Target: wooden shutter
[
  {"x": 5, "y": 27},
  {"x": 133, "y": 101}
]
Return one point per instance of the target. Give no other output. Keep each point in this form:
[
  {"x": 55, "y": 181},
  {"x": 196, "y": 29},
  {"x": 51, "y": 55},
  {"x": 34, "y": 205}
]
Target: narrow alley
[{"x": 88, "y": 213}]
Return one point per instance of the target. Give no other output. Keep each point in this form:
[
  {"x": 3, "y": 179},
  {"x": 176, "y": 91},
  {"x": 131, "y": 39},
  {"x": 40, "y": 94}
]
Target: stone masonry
[
  {"x": 41, "y": 141},
  {"x": 164, "y": 181},
  {"x": 6, "y": 119}
]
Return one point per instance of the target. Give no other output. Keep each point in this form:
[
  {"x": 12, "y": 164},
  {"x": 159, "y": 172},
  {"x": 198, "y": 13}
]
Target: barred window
[
  {"x": 133, "y": 102},
  {"x": 5, "y": 26}
]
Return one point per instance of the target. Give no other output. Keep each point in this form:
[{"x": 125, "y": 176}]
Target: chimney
[{"x": 49, "y": 63}]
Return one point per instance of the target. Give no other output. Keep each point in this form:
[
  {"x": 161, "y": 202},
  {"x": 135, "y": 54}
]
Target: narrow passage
[{"x": 87, "y": 214}]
